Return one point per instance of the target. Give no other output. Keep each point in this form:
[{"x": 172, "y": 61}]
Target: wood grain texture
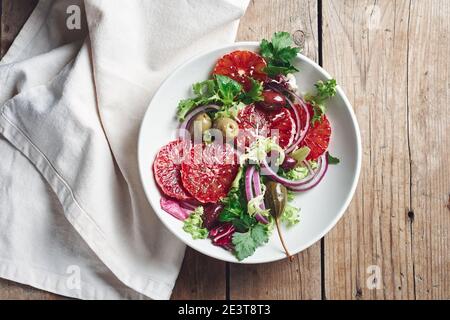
[
  {"x": 301, "y": 278},
  {"x": 201, "y": 278},
  {"x": 429, "y": 133},
  {"x": 365, "y": 46},
  {"x": 13, "y": 291},
  {"x": 392, "y": 58},
  {"x": 14, "y": 13}
]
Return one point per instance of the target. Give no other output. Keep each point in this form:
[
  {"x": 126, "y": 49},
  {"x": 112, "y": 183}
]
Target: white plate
[{"x": 321, "y": 207}]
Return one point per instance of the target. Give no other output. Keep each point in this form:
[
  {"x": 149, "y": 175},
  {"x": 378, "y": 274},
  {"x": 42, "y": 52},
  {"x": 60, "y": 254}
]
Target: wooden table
[{"x": 393, "y": 60}]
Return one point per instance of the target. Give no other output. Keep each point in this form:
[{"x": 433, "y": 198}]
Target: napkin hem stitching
[{"x": 72, "y": 216}]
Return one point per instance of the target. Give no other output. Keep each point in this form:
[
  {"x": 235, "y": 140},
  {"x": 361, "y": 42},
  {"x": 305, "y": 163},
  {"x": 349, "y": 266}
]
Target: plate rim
[{"x": 348, "y": 199}]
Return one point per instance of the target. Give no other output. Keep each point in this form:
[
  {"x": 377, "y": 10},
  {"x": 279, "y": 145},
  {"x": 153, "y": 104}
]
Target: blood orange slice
[
  {"x": 210, "y": 171},
  {"x": 318, "y": 137},
  {"x": 282, "y": 121},
  {"x": 240, "y": 65},
  {"x": 254, "y": 122},
  {"x": 166, "y": 168}
]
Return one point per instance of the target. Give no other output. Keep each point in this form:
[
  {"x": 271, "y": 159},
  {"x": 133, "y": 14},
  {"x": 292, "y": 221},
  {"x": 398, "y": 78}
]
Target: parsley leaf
[
  {"x": 254, "y": 94},
  {"x": 273, "y": 71},
  {"x": 260, "y": 235},
  {"x": 279, "y": 54},
  {"x": 245, "y": 244},
  {"x": 332, "y": 160},
  {"x": 222, "y": 90},
  {"x": 227, "y": 89},
  {"x": 244, "y": 222},
  {"x": 325, "y": 90}
]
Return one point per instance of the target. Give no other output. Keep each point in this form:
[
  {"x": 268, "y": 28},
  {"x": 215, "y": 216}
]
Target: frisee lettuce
[
  {"x": 193, "y": 224},
  {"x": 257, "y": 152},
  {"x": 290, "y": 215},
  {"x": 295, "y": 174},
  {"x": 324, "y": 91},
  {"x": 229, "y": 111},
  {"x": 290, "y": 195},
  {"x": 254, "y": 206},
  {"x": 224, "y": 91}
]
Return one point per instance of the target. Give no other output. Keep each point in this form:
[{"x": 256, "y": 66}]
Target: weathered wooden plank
[
  {"x": 365, "y": 45},
  {"x": 301, "y": 278},
  {"x": 12, "y": 291},
  {"x": 429, "y": 109},
  {"x": 14, "y": 14},
  {"x": 201, "y": 278}
]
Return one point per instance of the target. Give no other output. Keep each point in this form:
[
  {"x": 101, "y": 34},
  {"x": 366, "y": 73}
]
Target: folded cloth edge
[{"x": 79, "y": 219}]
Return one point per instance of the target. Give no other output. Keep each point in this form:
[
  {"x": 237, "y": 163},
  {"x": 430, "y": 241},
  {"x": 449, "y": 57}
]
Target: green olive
[
  {"x": 201, "y": 123},
  {"x": 276, "y": 198},
  {"x": 228, "y": 127}
]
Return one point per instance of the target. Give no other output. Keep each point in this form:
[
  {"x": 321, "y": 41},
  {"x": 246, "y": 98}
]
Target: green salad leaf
[
  {"x": 220, "y": 90},
  {"x": 227, "y": 89},
  {"x": 245, "y": 244},
  {"x": 279, "y": 54},
  {"x": 325, "y": 90},
  {"x": 301, "y": 154},
  {"x": 254, "y": 94},
  {"x": 332, "y": 160},
  {"x": 257, "y": 152},
  {"x": 185, "y": 106},
  {"x": 290, "y": 195},
  {"x": 205, "y": 89},
  {"x": 295, "y": 174},
  {"x": 235, "y": 205},
  {"x": 229, "y": 111},
  {"x": 254, "y": 206},
  {"x": 290, "y": 215},
  {"x": 193, "y": 224}
]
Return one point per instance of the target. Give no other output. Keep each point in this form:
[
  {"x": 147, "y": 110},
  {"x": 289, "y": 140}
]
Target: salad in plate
[{"x": 247, "y": 142}]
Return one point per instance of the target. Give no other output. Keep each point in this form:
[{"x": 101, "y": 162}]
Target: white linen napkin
[{"x": 73, "y": 216}]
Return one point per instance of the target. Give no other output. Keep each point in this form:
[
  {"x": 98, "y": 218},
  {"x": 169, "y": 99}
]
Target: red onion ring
[
  {"x": 317, "y": 177},
  {"x": 257, "y": 188},
  {"x": 298, "y": 185},
  {"x": 298, "y": 119},
  {"x": 248, "y": 183},
  {"x": 301, "y": 131},
  {"x": 308, "y": 166}
]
